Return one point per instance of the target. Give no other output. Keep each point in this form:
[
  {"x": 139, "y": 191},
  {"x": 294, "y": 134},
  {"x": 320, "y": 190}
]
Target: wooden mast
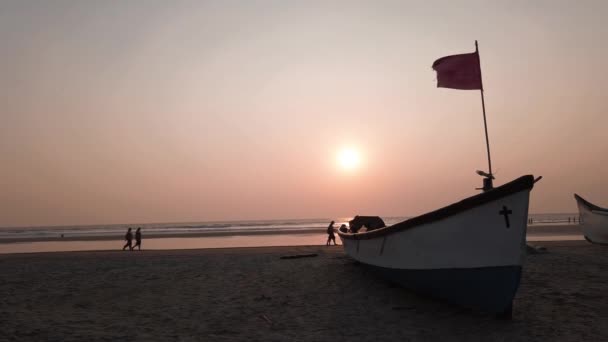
[{"x": 487, "y": 183}]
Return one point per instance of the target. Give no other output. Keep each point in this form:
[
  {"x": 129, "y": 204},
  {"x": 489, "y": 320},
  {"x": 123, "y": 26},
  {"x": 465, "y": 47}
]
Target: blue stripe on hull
[{"x": 488, "y": 288}]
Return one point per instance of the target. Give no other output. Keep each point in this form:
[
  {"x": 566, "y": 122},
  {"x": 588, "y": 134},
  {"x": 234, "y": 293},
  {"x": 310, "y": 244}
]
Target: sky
[{"x": 176, "y": 111}]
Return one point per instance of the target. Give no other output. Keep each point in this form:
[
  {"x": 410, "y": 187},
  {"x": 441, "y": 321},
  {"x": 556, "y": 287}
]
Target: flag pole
[{"x": 488, "y": 185}]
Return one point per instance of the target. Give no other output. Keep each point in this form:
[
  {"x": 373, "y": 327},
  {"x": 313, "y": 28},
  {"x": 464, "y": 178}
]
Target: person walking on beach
[
  {"x": 129, "y": 238},
  {"x": 137, "y": 239},
  {"x": 330, "y": 234}
]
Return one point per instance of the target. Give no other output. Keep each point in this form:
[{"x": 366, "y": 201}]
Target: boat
[
  {"x": 593, "y": 220},
  {"x": 469, "y": 253}
]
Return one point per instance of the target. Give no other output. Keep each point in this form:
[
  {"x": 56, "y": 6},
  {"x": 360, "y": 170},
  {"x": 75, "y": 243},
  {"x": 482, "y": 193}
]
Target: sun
[{"x": 349, "y": 159}]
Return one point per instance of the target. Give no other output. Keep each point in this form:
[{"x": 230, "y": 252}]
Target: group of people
[
  {"x": 331, "y": 236},
  {"x": 129, "y": 238}
]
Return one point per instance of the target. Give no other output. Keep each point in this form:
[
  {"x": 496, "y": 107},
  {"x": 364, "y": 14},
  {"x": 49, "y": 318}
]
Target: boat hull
[
  {"x": 469, "y": 253},
  {"x": 593, "y": 221},
  {"x": 485, "y": 288}
]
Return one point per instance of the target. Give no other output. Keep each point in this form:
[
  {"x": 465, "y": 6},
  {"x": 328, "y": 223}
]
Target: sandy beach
[
  {"x": 436, "y": 143},
  {"x": 251, "y": 294}
]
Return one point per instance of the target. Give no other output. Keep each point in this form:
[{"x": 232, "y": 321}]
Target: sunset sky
[{"x": 167, "y": 111}]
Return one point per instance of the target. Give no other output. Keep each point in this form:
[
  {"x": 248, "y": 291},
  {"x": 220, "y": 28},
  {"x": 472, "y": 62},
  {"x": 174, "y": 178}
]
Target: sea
[
  {"x": 220, "y": 227},
  {"x": 220, "y": 234}
]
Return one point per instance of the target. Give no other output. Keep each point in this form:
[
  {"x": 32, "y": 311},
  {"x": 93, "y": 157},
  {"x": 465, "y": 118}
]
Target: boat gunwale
[
  {"x": 590, "y": 206},
  {"x": 520, "y": 184}
]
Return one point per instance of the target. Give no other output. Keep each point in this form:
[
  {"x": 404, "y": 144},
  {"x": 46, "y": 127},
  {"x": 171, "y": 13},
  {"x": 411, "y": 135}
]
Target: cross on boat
[{"x": 506, "y": 212}]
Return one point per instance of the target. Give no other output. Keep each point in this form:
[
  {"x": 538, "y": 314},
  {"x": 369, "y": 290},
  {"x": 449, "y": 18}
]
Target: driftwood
[
  {"x": 297, "y": 256},
  {"x": 266, "y": 318},
  {"x": 535, "y": 249}
]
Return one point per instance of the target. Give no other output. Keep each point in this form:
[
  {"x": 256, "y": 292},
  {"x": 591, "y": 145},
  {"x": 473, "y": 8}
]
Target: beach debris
[
  {"x": 297, "y": 256},
  {"x": 266, "y": 318},
  {"x": 398, "y": 308},
  {"x": 535, "y": 249},
  {"x": 263, "y": 297}
]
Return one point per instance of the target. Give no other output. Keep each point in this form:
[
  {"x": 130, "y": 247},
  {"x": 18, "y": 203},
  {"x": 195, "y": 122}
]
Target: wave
[{"x": 236, "y": 227}]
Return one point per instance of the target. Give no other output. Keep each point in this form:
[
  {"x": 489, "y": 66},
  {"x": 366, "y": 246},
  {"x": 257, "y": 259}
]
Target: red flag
[{"x": 458, "y": 71}]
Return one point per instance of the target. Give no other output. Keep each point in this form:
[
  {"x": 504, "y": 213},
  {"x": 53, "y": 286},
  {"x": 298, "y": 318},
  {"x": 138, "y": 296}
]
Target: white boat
[
  {"x": 593, "y": 220},
  {"x": 469, "y": 253}
]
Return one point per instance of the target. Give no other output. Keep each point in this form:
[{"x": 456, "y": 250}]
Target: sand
[{"x": 251, "y": 294}]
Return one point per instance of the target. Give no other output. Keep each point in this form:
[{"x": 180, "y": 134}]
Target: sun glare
[{"x": 349, "y": 159}]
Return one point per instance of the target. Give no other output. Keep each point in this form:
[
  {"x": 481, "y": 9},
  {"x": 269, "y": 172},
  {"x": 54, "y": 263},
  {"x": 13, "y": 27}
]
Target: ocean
[{"x": 226, "y": 228}]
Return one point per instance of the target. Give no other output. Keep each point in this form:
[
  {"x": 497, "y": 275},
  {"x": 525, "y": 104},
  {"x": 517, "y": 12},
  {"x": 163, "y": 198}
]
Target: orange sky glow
[{"x": 155, "y": 111}]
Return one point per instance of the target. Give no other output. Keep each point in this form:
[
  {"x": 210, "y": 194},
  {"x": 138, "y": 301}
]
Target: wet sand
[
  {"x": 251, "y": 294},
  {"x": 190, "y": 242}
]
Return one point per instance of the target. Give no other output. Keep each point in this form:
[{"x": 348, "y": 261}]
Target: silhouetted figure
[
  {"x": 138, "y": 239},
  {"x": 343, "y": 228},
  {"x": 369, "y": 222},
  {"x": 330, "y": 234},
  {"x": 129, "y": 238}
]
